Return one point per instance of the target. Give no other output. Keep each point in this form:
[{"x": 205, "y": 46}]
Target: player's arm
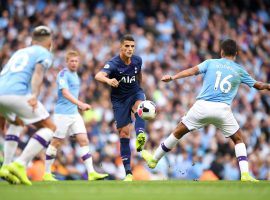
[
  {"x": 83, "y": 106},
  {"x": 37, "y": 79},
  {"x": 261, "y": 86},
  {"x": 185, "y": 73},
  {"x": 36, "y": 83},
  {"x": 248, "y": 80},
  {"x": 103, "y": 77}
]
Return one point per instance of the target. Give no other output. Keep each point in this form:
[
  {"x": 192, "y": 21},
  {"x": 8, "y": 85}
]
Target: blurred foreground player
[{"x": 20, "y": 83}]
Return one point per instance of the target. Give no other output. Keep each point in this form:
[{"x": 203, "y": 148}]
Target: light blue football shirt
[
  {"x": 15, "y": 78},
  {"x": 221, "y": 80},
  {"x": 71, "y": 81}
]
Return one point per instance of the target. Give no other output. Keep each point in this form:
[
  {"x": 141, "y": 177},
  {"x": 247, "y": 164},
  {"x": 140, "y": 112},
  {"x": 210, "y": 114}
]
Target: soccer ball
[{"x": 147, "y": 110}]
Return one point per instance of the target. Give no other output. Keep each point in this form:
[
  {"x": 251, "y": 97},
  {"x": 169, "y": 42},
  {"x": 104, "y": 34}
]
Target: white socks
[
  {"x": 241, "y": 155},
  {"x": 50, "y": 157},
  {"x": 39, "y": 141},
  {"x": 11, "y": 142},
  {"x": 84, "y": 153},
  {"x": 165, "y": 147}
]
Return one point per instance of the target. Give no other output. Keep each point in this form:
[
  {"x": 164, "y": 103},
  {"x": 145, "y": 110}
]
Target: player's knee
[
  {"x": 52, "y": 127},
  {"x": 82, "y": 139},
  {"x": 17, "y": 122},
  {"x": 56, "y": 142},
  {"x": 124, "y": 134},
  {"x": 135, "y": 106},
  {"x": 47, "y": 123},
  {"x": 237, "y": 137},
  {"x": 180, "y": 130}
]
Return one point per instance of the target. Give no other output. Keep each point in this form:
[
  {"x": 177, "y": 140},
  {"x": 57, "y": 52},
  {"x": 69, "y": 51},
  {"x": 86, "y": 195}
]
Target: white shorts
[
  {"x": 16, "y": 105},
  {"x": 219, "y": 114},
  {"x": 68, "y": 125}
]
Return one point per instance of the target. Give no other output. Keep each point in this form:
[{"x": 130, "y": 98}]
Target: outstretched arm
[
  {"x": 103, "y": 77},
  {"x": 185, "y": 73},
  {"x": 261, "y": 86}
]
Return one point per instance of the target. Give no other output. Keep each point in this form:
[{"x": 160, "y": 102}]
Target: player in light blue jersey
[
  {"x": 68, "y": 120},
  {"x": 20, "y": 83},
  {"x": 221, "y": 80}
]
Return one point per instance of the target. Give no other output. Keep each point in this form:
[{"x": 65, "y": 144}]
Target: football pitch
[{"x": 137, "y": 190}]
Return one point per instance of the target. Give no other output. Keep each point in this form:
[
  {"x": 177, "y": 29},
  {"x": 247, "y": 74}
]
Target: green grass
[{"x": 139, "y": 190}]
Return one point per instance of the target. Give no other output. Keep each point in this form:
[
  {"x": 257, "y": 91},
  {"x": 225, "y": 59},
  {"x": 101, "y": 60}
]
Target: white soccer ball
[{"x": 147, "y": 110}]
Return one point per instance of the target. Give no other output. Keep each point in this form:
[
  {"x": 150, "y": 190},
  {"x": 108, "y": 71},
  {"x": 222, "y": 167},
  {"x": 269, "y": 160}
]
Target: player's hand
[
  {"x": 113, "y": 82},
  {"x": 166, "y": 78},
  {"x": 84, "y": 106},
  {"x": 33, "y": 102}
]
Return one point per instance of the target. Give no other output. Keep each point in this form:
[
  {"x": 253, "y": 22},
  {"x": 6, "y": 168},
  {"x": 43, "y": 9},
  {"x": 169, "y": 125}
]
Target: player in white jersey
[
  {"x": 20, "y": 83},
  {"x": 68, "y": 120},
  {"x": 221, "y": 81}
]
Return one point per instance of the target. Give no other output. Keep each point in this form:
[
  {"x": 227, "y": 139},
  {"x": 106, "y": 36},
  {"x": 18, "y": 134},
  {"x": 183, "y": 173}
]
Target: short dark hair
[
  {"x": 127, "y": 37},
  {"x": 41, "y": 32},
  {"x": 229, "y": 47}
]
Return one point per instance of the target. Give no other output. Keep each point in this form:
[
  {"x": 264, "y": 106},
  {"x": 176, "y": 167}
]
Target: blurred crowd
[{"x": 170, "y": 36}]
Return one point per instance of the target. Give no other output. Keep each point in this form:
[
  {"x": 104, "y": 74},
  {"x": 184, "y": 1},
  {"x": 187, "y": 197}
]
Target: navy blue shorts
[{"x": 122, "y": 109}]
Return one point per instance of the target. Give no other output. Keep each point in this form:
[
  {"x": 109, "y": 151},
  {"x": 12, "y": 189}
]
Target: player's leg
[
  {"x": 85, "y": 155},
  {"x": 166, "y": 146},
  {"x": 125, "y": 151},
  {"x": 122, "y": 115},
  {"x": 230, "y": 128},
  {"x": 12, "y": 139},
  {"x": 78, "y": 129},
  {"x": 51, "y": 153},
  {"x": 10, "y": 147},
  {"x": 139, "y": 127},
  {"x": 191, "y": 121},
  {"x": 39, "y": 141},
  {"x": 11, "y": 142},
  {"x": 241, "y": 155},
  {"x": 63, "y": 123},
  {"x": 18, "y": 106}
]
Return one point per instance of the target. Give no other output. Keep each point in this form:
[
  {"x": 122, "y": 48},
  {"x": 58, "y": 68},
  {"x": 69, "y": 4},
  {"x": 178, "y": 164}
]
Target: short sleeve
[
  {"x": 62, "y": 80},
  {"x": 247, "y": 79},
  {"x": 108, "y": 68},
  {"x": 45, "y": 59},
  {"x": 203, "y": 66}
]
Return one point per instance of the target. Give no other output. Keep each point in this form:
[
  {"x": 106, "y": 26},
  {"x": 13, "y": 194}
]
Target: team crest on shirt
[
  {"x": 107, "y": 66},
  {"x": 47, "y": 63},
  {"x": 62, "y": 82}
]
